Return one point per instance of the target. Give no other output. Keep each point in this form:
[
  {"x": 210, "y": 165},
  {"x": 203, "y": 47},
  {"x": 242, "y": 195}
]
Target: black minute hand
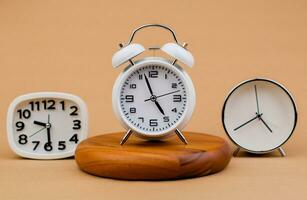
[
  {"x": 48, "y": 131},
  {"x": 48, "y": 136},
  {"x": 148, "y": 85},
  {"x": 256, "y": 93}
]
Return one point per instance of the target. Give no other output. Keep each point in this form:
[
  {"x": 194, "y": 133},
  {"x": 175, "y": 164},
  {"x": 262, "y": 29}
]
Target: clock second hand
[
  {"x": 40, "y": 124},
  {"x": 37, "y": 131},
  {"x": 164, "y": 95},
  {"x": 45, "y": 126}
]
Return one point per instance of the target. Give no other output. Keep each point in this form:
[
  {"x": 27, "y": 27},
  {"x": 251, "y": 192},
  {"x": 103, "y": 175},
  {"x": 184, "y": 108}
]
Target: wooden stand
[{"x": 153, "y": 160}]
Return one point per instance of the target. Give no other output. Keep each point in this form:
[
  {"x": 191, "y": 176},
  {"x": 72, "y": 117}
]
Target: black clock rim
[{"x": 265, "y": 80}]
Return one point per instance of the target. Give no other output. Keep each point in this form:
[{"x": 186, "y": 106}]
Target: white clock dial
[
  {"x": 46, "y": 127},
  {"x": 154, "y": 98},
  {"x": 259, "y": 115}
]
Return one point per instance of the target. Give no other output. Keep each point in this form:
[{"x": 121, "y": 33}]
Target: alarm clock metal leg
[
  {"x": 126, "y": 136},
  {"x": 235, "y": 153},
  {"x": 181, "y": 137},
  {"x": 282, "y": 152}
]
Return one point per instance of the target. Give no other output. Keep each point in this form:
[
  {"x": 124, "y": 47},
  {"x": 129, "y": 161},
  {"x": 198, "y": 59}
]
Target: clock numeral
[
  {"x": 174, "y": 110},
  {"x": 140, "y": 76},
  {"x": 166, "y": 119},
  {"x": 129, "y": 98},
  {"x": 23, "y": 139},
  {"x": 132, "y": 86},
  {"x": 153, "y": 122},
  {"x": 77, "y": 124},
  {"x": 62, "y": 104},
  {"x": 165, "y": 76},
  {"x": 74, "y": 138},
  {"x": 141, "y": 118},
  {"x": 74, "y": 110},
  {"x": 24, "y": 114},
  {"x": 153, "y": 74},
  {"x": 174, "y": 85},
  {"x": 49, "y": 105},
  {"x": 61, "y": 145},
  {"x": 36, "y": 143},
  {"x": 132, "y": 110},
  {"x": 177, "y": 98},
  {"x": 48, "y": 146},
  {"x": 34, "y": 105},
  {"x": 20, "y": 126}
]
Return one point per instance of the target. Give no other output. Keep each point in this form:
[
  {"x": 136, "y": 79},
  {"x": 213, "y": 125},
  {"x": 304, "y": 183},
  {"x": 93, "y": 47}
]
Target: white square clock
[{"x": 46, "y": 125}]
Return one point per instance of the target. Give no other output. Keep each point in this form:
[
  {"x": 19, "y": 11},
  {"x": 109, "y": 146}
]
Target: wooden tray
[{"x": 153, "y": 160}]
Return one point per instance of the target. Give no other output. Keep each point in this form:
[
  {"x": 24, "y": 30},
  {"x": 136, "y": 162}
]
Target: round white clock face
[
  {"x": 259, "y": 115},
  {"x": 47, "y": 126},
  {"x": 153, "y": 98}
]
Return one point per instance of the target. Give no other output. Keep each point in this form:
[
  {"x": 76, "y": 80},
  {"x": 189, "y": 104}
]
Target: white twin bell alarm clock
[{"x": 153, "y": 97}]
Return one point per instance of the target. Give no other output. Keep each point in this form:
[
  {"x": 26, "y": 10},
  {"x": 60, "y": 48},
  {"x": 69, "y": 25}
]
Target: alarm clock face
[
  {"x": 153, "y": 97},
  {"x": 46, "y": 125},
  {"x": 259, "y": 115}
]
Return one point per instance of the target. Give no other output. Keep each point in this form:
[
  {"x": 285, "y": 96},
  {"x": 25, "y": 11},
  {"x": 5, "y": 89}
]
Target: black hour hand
[
  {"x": 159, "y": 107},
  {"x": 40, "y": 123},
  {"x": 257, "y": 116},
  {"x": 266, "y": 124}
]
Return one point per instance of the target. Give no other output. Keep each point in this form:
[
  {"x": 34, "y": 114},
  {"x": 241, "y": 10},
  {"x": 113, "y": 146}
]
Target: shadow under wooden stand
[{"x": 153, "y": 160}]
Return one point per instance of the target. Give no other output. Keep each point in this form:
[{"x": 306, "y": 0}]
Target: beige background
[{"x": 67, "y": 46}]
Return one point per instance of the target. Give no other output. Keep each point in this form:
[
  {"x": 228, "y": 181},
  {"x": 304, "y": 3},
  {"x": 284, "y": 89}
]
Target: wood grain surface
[{"x": 153, "y": 160}]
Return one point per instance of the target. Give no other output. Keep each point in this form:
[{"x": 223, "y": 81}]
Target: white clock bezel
[
  {"x": 163, "y": 62},
  {"x": 37, "y": 95},
  {"x": 265, "y": 80}
]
